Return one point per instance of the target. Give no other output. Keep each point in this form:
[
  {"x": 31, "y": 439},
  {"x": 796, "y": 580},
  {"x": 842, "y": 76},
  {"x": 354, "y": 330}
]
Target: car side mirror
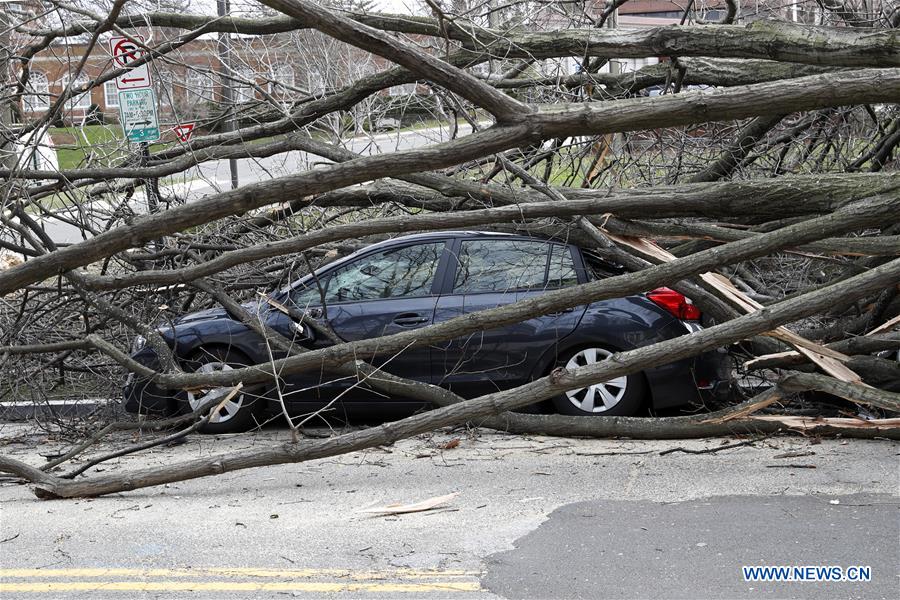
[{"x": 303, "y": 333}]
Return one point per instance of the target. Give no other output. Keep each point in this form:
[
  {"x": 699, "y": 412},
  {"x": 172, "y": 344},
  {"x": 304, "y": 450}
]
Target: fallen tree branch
[
  {"x": 855, "y": 345},
  {"x": 215, "y": 400},
  {"x": 868, "y": 85},
  {"x": 861, "y": 394},
  {"x": 545, "y": 387},
  {"x": 715, "y": 449}
]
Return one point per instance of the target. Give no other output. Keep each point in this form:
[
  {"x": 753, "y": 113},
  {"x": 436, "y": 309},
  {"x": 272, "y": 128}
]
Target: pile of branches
[{"x": 760, "y": 181}]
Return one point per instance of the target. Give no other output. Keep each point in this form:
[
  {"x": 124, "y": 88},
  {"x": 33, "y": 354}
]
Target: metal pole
[
  {"x": 7, "y": 141},
  {"x": 224, "y": 47},
  {"x": 151, "y": 185}
]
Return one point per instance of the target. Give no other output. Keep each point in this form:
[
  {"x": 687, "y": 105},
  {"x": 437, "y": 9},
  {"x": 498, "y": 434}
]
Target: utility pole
[
  {"x": 7, "y": 140},
  {"x": 224, "y": 48}
]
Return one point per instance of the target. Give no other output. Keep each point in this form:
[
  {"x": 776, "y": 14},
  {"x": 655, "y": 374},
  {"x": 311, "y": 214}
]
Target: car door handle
[
  {"x": 408, "y": 319},
  {"x": 559, "y": 312}
]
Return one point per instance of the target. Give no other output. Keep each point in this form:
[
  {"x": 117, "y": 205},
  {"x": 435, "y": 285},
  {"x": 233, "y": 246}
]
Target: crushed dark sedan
[{"x": 418, "y": 280}]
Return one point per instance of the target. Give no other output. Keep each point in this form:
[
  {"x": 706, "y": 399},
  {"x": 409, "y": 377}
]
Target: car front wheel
[
  {"x": 620, "y": 396},
  {"x": 237, "y": 414}
]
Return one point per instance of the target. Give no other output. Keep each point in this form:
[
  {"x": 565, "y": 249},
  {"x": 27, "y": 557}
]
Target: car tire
[
  {"x": 239, "y": 414},
  {"x": 618, "y": 397}
]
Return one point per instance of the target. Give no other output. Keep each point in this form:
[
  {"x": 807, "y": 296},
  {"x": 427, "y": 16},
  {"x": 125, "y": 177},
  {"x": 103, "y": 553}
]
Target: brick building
[{"x": 189, "y": 80}]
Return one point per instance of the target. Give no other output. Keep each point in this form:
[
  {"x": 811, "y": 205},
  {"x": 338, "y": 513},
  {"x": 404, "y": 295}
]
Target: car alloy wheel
[
  {"x": 600, "y": 397},
  {"x": 617, "y": 397},
  {"x": 226, "y": 411},
  {"x": 241, "y": 413}
]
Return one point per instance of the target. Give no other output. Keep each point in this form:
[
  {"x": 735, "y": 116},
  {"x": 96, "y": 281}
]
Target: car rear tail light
[{"x": 675, "y": 303}]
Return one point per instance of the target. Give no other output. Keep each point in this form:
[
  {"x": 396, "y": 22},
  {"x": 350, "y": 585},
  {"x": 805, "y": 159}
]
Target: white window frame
[
  {"x": 282, "y": 78},
  {"x": 404, "y": 89},
  {"x": 315, "y": 81},
  {"x": 243, "y": 93},
  {"x": 111, "y": 94},
  {"x": 82, "y": 101},
  {"x": 197, "y": 88},
  {"x": 36, "y": 98}
]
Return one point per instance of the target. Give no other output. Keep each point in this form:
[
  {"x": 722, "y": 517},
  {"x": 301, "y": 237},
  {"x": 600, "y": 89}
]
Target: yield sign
[
  {"x": 125, "y": 52},
  {"x": 184, "y": 131}
]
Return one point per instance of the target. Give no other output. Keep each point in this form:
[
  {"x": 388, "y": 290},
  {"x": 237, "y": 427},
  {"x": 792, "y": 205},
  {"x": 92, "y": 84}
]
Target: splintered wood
[{"x": 828, "y": 360}]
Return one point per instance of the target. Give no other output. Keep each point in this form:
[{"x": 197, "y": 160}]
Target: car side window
[
  {"x": 394, "y": 273},
  {"x": 561, "y": 271},
  {"x": 500, "y": 266}
]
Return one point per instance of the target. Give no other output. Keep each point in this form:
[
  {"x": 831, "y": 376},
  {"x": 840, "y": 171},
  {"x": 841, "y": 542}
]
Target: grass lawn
[{"x": 104, "y": 144}]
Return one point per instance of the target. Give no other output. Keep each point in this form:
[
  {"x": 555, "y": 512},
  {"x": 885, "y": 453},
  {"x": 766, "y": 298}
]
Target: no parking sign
[{"x": 126, "y": 51}]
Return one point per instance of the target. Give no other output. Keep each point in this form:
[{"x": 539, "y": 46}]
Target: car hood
[{"x": 213, "y": 314}]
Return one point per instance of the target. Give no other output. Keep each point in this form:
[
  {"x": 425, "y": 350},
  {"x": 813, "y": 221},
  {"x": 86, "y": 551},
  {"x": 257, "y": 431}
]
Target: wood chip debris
[
  {"x": 795, "y": 454},
  {"x": 396, "y": 509}
]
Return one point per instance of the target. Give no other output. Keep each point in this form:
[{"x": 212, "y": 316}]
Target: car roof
[{"x": 415, "y": 237}]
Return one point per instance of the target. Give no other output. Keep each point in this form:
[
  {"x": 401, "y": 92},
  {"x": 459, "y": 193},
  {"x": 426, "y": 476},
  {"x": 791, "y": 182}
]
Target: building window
[
  {"x": 80, "y": 101},
  {"x": 282, "y": 79},
  {"x": 198, "y": 88},
  {"x": 111, "y": 94},
  {"x": 165, "y": 88},
  {"x": 315, "y": 81},
  {"x": 243, "y": 92},
  {"x": 37, "y": 93},
  {"x": 406, "y": 89}
]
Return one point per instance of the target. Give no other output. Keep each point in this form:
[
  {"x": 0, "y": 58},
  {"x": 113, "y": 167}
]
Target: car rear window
[
  {"x": 599, "y": 268},
  {"x": 512, "y": 265},
  {"x": 500, "y": 266},
  {"x": 561, "y": 271}
]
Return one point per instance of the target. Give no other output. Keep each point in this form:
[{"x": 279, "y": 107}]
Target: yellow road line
[
  {"x": 237, "y": 586},
  {"x": 237, "y": 572}
]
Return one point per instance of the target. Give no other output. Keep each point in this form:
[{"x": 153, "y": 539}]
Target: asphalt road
[
  {"x": 213, "y": 176},
  {"x": 696, "y": 549},
  {"x": 535, "y": 517}
]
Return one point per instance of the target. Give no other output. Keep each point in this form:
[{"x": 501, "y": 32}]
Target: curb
[{"x": 66, "y": 409}]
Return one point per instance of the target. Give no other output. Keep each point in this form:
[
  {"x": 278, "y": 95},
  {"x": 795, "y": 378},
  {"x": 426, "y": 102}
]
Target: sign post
[{"x": 137, "y": 104}]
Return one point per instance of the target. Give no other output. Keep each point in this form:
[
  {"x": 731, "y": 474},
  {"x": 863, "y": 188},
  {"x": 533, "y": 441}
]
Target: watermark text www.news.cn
[{"x": 806, "y": 573}]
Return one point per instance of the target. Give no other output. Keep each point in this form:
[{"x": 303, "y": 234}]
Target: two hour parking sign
[
  {"x": 137, "y": 100},
  {"x": 137, "y": 109}
]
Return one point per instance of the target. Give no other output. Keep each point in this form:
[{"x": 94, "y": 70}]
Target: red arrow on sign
[
  {"x": 132, "y": 79},
  {"x": 184, "y": 131}
]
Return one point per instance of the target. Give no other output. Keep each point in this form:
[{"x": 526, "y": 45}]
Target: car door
[
  {"x": 487, "y": 273},
  {"x": 381, "y": 293}
]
